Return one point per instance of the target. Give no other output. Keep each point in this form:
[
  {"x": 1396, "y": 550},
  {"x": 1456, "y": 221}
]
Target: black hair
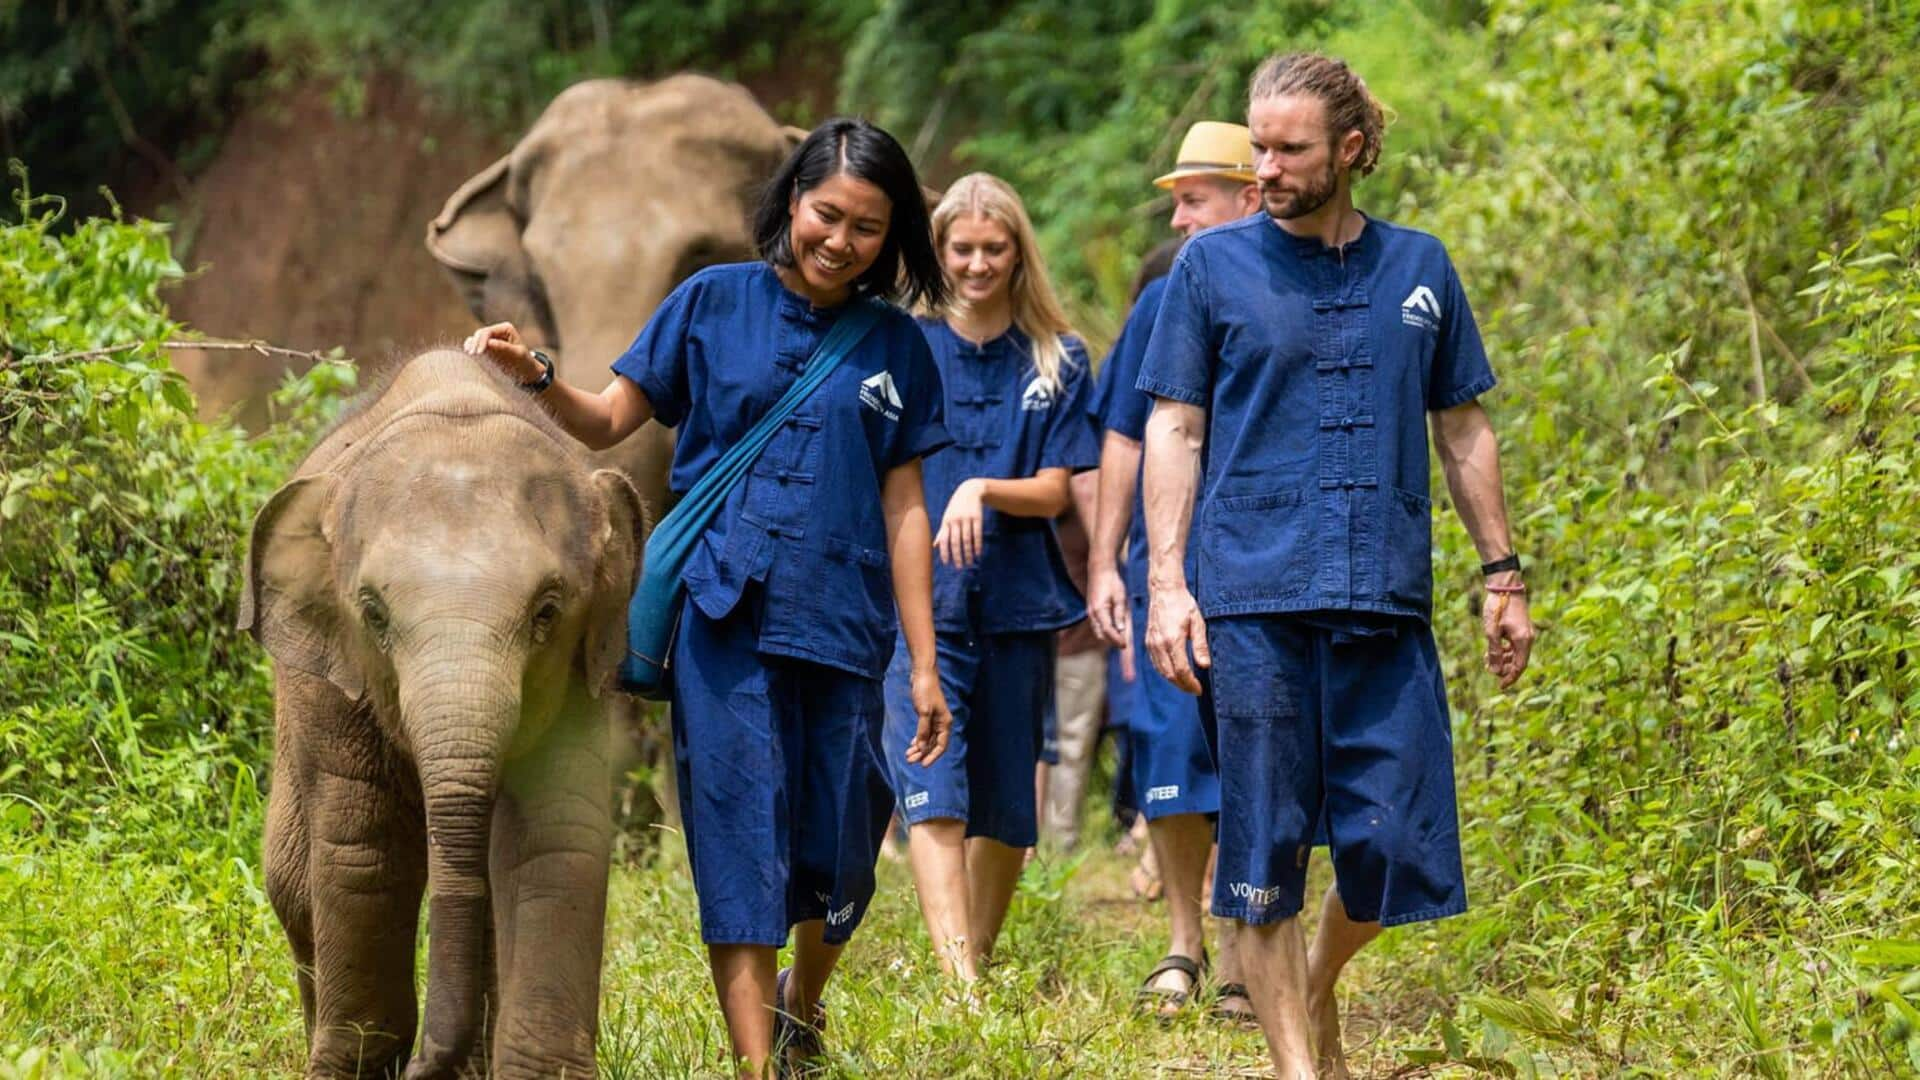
[
  {"x": 1157, "y": 264},
  {"x": 907, "y": 270}
]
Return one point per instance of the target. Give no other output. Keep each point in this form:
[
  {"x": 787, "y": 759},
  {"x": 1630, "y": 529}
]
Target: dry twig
[{"x": 259, "y": 347}]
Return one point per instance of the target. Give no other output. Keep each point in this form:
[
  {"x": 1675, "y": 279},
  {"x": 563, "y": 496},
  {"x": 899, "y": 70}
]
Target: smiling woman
[
  {"x": 851, "y": 218},
  {"x": 1016, "y": 384},
  {"x": 789, "y": 618}
]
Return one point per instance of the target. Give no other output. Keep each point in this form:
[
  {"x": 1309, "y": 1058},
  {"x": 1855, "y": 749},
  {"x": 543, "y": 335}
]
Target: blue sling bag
[{"x": 655, "y": 609}]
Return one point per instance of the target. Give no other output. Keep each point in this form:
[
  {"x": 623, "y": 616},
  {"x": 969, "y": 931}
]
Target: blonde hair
[{"x": 1036, "y": 308}]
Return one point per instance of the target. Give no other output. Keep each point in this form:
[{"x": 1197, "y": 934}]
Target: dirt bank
[{"x": 306, "y": 232}]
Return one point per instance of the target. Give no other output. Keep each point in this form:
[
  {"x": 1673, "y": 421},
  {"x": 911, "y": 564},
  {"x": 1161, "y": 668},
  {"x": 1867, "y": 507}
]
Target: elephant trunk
[{"x": 459, "y": 719}]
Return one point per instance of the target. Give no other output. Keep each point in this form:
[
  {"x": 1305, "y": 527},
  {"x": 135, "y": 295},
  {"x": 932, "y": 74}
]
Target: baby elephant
[{"x": 443, "y": 589}]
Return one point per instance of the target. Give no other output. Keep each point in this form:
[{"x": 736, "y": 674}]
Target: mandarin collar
[
  {"x": 797, "y": 308},
  {"x": 1008, "y": 341},
  {"x": 1311, "y": 247}
]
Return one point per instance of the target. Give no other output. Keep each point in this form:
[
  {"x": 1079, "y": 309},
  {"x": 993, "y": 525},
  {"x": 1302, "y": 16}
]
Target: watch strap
[
  {"x": 546, "y": 373},
  {"x": 1497, "y": 566}
]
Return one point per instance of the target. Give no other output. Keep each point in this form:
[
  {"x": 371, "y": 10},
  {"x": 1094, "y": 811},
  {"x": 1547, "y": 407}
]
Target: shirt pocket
[
  {"x": 1255, "y": 546},
  {"x": 856, "y": 596},
  {"x": 1408, "y": 539}
]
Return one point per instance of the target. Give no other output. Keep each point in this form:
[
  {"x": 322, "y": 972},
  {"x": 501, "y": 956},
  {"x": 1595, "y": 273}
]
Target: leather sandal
[
  {"x": 1222, "y": 1010},
  {"x": 793, "y": 1040},
  {"x": 1162, "y": 1000}
]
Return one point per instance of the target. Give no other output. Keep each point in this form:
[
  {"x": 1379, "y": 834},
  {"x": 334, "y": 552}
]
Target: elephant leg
[
  {"x": 553, "y": 837},
  {"x": 367, "y": 868},
  {"x": 284, "y": 850}
]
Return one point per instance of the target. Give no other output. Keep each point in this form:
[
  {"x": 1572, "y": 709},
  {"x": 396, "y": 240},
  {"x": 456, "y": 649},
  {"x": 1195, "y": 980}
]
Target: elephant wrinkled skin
[{"x": 442, "y": 587}]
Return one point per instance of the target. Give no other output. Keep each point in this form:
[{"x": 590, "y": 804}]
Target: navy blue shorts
[
  {"x": 999, "y": 687},
  {"x": 1050, "y": 725},
  {"x": 1119, "y": 696},
  {"x": 1349, "y": 723},
  {"x": 1171, "y": 759},
  {"x": 783, "y": 793}
]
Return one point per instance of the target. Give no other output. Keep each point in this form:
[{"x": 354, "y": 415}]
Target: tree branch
[{"x": 259, "y": 347}]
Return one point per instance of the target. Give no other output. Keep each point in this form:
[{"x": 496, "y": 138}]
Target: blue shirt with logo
[
  {"x": 1007, "y": 423},
  {"x": 807, "y": 522},
  {"x": 1119, "y": 407},
  {"x": 1317, "y": 367}
]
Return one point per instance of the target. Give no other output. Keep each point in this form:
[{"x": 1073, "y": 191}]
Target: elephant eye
[
  {"x": 544, "y": 618},
  {"x": 374, "y": 614}
]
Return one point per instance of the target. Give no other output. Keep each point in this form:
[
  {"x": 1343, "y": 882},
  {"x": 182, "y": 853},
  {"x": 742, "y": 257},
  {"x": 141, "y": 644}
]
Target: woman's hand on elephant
[
  {"x": 501, "y": 344},
  {"x": 962, "y": 527},
  {"x": 936, "y": 722}
]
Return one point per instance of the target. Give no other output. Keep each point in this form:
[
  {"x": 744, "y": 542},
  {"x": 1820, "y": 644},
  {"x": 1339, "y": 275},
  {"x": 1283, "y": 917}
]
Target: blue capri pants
[{"x": 783, "y": 792}]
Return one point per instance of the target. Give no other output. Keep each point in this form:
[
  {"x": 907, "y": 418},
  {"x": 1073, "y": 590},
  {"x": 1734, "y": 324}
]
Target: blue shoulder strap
[{"x": 656, "y": 602}]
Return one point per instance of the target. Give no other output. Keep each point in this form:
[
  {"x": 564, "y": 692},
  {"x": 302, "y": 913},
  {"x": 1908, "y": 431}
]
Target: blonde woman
[{"x": 1016, "y": 386}]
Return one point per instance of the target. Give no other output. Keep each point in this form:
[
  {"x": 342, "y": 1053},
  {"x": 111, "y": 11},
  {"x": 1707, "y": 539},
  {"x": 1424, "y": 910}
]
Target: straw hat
[{"x": 1212, "y": 148}]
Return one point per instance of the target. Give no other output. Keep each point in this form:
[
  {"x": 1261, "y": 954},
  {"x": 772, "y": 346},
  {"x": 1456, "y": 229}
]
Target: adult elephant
[{"x": 618, "y": 192}]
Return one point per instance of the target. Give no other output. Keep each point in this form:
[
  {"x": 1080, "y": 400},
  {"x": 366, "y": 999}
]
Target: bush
[
  {"x": 123, "y": 677},
  {"x": 133, "y": 718}
]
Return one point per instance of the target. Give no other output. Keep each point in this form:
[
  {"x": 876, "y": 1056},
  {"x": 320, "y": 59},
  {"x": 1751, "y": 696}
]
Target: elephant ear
[
  {"x": 477, "y": 238},
  {"x": 621, "y": 546},
  {"x": 287, "y": 599}
]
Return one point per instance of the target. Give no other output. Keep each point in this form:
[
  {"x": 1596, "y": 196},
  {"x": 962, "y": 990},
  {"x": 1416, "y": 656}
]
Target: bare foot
[
  {"x": 1145, "y": 883},
  {"x": 1329, "y": 1058}
]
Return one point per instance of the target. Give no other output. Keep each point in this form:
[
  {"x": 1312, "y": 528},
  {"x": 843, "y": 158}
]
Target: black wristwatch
[
  {"x": 546, "y": 373},
  {"x": 1511, "y": 562}
]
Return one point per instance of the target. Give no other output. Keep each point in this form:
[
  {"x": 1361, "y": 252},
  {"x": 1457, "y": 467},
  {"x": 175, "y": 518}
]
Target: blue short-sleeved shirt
[
  {"x": 1317, "y": 367},
  {"x": 807, "y": 521},
  {"x": 1119, "y": 407},
  {"x": 1007, "y": 423}
]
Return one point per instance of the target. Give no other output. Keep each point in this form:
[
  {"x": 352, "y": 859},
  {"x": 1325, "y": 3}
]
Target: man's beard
[{"x": 1299, "y": 205}]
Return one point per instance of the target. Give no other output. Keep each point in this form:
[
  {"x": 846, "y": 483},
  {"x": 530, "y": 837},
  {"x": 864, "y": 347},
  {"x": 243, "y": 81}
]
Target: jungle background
[{"x": 1691, "y": 232}]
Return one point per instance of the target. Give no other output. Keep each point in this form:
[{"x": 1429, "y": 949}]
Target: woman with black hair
[{"x": 789, "y": 621}]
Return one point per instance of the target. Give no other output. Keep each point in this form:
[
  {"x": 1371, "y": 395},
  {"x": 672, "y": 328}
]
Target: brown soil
[{"x": 306, "y": 231}]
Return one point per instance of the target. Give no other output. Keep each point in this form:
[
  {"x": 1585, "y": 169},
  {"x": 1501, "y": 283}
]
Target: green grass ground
[{"x": 124, "y": 964}]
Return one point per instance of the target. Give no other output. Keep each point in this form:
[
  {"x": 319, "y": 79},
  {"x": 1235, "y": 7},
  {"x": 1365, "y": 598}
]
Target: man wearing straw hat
[
  {"x": 1171, "y": 762},
  {"x": 1307, "y": 350}
]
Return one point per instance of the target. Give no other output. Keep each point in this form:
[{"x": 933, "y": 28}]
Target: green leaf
[{"x": 1888, "y": 953}]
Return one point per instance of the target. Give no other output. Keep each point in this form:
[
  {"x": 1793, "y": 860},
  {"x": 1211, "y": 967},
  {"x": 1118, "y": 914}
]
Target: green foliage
[
  {"x": 132, "y": 715},
  {"x": 123, "y": 515},
  {"x": 1702, "y": 802},
  {"x": 115, "y": 90},
  {"x": 136, "y": 92},
  {"x": 503, "y": 61},
  {"x": 1689, "y": 232},
  {"x": 1079, "y": 106}
]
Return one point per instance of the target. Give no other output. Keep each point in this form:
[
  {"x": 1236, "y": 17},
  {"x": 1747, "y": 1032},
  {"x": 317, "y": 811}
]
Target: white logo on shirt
[
  {"x": 917, "y": 800},
  {"x": 1163, "y": 792},
  {"x": 1421, "y": 309},
  {"x": 877, "y": 393},
  {"x": 1037, "y": 397}
]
